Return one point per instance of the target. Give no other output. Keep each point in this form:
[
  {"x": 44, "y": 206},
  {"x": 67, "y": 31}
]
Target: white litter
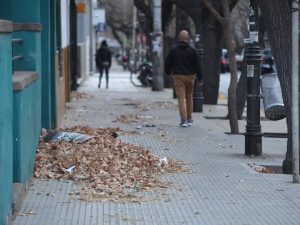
[
  {"x": 69, "y": 170},
  {"x": 163, "y": 161}
]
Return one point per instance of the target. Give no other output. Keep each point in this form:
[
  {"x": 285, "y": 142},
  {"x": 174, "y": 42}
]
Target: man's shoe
[
  {"x": 190, "y": 122},
  {"x": 183, "y": 123}
]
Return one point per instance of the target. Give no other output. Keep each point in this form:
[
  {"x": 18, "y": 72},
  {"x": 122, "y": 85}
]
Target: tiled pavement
[{"x": 220, "y": 190}]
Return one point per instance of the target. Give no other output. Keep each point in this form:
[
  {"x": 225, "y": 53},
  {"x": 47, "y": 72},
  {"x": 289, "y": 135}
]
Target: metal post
[
  {"x": 198, "y": 98},
  {"x": 253, "y": 135},
  {"x": 134, "y": 37},
  {"x": 142, "y": 34},
  {"x": 92, "y": 61},
  {"x": 177, "y": 30},
  {"x": 295, "y": 91},
  {"x": 73, "y": 45},
  {"x": 157, "y": 48}
]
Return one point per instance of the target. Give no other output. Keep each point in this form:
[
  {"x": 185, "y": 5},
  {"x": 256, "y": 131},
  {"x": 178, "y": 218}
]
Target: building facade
[{"x": 36, "y": 77}]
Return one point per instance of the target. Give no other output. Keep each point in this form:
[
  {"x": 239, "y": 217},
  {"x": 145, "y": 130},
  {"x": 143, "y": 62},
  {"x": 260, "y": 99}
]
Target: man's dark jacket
[{"x": 183, "y": 59}]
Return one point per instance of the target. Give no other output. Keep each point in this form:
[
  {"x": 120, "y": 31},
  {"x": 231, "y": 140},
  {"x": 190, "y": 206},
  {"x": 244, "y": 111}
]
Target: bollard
[
  {"x": 253, "y": 135},
  {"x": 198, "y": 98}
]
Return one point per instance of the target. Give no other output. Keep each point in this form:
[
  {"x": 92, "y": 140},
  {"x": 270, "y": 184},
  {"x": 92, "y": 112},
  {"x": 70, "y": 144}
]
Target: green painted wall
[
  {"x": 49, "y": 111},
  {"x": 20, "y": 112},
  {"x": 26, "y": 103},
  {"x": 30, "y": 49},
  {"x": 20, "y": 11},
  {"x": 5, "y": 9},
  {"x": 46, "y": 72},
  {"x": 36, "y": 11},
  {"x": 27, "y": 107},
  {"x": 52, "y": 62},
  {"x": 26, "y": 117},
  {"x": 6, "y": 148}
]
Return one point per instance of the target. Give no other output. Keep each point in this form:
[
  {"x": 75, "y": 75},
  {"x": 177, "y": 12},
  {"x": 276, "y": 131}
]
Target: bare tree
[
  {"x": 277, "y": 15},
  {"x": 119, "y": 17},
  {"x": 230, "y": 45}
]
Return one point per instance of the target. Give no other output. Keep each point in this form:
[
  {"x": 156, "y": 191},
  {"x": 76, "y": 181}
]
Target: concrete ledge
[
  {"x": 22, "y": 79},
  {"x": 35, "y": 27},
  {"x": 6, "y": 26},
  {"x": 19, "y": 193}
]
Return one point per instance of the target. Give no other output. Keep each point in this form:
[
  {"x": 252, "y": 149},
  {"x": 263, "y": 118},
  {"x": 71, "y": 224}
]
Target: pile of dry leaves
[
  {"x": 156, "y": 105},
  {"x": 260, "y": 169},
  {"x": 133, "y": 118},
  {"x": 127, "y": 119},
  {"x": 78, "y": 95},
  {"x": 103, "y": 166}
]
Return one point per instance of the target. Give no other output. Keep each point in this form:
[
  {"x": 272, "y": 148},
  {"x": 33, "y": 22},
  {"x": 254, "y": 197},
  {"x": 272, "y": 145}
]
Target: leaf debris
[{"x": 105, "y": 168}]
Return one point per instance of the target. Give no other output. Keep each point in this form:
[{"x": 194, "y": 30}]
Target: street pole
[
  {"x": 177, "y": 30},
  {"x": 73, "y": 45},
  {"x": 198, "y": 98},
  {"x": 134, "y": 37},
  {"x": 253, "y": 135},
  {"x": 157, "y": 48},
  {"x": 295, "y": 91},
  {"x": 92, "y": 61},
  {"x": 142, "y": 33}
]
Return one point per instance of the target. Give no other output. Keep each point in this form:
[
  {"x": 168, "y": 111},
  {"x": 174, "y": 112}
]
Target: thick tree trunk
[
  {"x": 169, "y": 34},
  {"x": 212, "y": 46},
  {"x": 278, "y": 20},
  {"x": 229, "y": 42}
]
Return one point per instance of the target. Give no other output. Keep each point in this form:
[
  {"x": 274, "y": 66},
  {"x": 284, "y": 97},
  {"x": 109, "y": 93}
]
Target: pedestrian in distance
[
  {"x": 183, "y": 63},
  {"x": 103, "y": 61}
]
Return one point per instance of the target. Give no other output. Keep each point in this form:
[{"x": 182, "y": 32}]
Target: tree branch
[{"x": 214, "y": 12}]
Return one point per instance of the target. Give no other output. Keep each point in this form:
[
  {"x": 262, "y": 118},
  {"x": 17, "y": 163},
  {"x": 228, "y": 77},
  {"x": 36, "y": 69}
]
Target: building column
[
  {"x": 6, "y": 121},
  {"x": 46, "y": 71}
]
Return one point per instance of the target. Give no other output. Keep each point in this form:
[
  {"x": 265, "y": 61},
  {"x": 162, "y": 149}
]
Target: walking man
[
  {"x": 184, "y": 63},
  {"x": 103, "y": 61}
]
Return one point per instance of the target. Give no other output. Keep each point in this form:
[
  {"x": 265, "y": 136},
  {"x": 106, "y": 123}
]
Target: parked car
[
  {"x": 225, "y": 67},
  {"x": 267, "y": 62},
  {"x": 224, "y": 61}
]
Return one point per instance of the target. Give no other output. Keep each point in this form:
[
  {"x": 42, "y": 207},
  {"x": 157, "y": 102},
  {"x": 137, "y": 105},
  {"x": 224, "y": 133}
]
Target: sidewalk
[{"x": 221, "y": 189}]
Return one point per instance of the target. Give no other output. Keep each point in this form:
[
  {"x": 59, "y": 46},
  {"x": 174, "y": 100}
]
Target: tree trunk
[
  {"x": 241, "y": 91},
  {"x": 229, "y": 42},
  {"x": 168, "y": 42},
  {"x": 278, "y": 20},
  {"x": 212, "y": 46},
  {"x": 169, "y": 34}
]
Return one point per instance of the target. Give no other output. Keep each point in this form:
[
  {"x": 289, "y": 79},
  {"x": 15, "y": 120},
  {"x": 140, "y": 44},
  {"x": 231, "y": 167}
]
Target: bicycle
[{"x": 142, "y": 74}]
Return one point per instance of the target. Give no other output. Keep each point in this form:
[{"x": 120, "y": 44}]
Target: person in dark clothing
[
  {"x": 103, "y": 61},
  {"x": 184, "y": 63}
]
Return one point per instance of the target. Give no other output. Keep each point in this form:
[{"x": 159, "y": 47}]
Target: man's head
[{"x": 183, "y": 36}]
